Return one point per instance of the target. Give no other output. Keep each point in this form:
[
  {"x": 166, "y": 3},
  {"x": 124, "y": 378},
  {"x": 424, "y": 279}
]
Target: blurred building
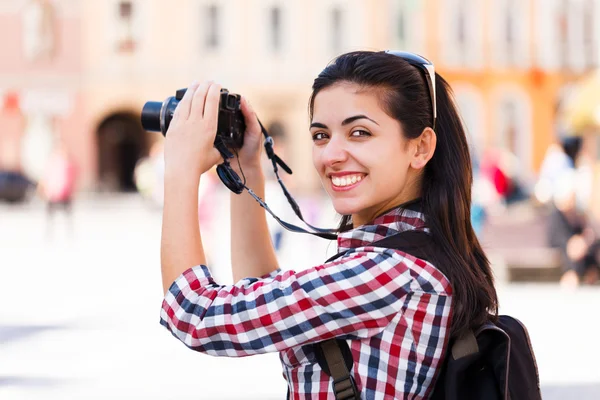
[
  {"x": 40, "y": 87},
  {"x": 83, "y": 69}
]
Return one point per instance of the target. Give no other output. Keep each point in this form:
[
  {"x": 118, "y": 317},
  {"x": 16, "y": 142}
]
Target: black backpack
[{"x": 493, "y": 362}]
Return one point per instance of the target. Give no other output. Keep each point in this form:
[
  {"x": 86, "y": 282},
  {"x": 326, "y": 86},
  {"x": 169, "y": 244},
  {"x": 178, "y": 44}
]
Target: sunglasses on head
[{"x": 428, "y": 69}]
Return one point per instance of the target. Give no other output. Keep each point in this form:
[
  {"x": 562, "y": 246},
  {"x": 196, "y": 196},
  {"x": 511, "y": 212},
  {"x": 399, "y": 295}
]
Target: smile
[{"x": 346, "y": 182}]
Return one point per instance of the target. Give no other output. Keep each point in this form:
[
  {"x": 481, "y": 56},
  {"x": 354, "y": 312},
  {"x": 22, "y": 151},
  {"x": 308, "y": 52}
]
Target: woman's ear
[{"x": 424, "y": 147}]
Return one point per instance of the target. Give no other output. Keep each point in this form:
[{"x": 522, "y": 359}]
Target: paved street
[{"x": 79, "y": 315}]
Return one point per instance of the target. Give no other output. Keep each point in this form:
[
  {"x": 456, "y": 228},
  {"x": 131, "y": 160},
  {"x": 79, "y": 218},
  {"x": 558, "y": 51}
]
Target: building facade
[
  {"x": 40, "y": 91},
  {"x": 83, "y": 69}
]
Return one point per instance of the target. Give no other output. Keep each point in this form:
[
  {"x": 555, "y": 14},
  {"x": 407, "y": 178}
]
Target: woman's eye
[
  {"x": 319, "y": 136},
  {"x": 360, "y": 132}
]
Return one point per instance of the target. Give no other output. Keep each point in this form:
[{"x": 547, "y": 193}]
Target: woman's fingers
[
  {"x": 211, "y": 107},
  {"x": 249, "y": 117},
  {"x": 198, "y": 102},
  {"x": 182, "y": 112}
]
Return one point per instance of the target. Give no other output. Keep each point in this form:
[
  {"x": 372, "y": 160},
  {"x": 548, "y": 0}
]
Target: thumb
[
  {"x": 212, "y": 158},
  {"x": 252, "y": 125}
]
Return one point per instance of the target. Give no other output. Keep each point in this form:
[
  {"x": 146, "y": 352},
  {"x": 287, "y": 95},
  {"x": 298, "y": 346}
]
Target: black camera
[{"x": 156, "y": 116}]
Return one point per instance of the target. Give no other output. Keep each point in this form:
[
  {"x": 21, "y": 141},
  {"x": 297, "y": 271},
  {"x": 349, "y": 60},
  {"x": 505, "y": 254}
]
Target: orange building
[{"x": 510, "y": 62}]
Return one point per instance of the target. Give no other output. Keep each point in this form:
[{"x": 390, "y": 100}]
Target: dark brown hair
[{"x": 446, "y": 180}]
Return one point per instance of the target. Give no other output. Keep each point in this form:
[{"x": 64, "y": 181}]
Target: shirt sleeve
[{"x": 354, "y": 297}]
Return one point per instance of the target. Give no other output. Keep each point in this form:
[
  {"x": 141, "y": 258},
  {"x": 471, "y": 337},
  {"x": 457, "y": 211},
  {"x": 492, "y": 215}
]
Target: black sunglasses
[{"x": 427, "y": 67}]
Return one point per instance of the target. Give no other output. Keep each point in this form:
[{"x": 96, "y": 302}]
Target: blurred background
[{"x": 81, "y": 181}]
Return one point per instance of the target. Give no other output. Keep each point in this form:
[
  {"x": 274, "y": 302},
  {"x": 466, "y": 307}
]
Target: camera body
[{"x": 157, "y": 116}]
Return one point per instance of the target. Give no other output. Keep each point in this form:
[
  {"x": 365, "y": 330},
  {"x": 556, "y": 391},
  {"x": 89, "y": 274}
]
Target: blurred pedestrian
[
  {"x": 559, "y": 158},
  {"x": 571, "y": 232},
  {"x": 501, "y": 167},
  {"x": 57, "y": 185},
  {"x": 485, "y": 199},
  {"x": 149, "y": 175}
]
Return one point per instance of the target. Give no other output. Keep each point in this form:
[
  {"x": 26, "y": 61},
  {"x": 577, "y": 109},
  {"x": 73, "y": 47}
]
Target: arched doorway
[{"x": 121, "y": 143}]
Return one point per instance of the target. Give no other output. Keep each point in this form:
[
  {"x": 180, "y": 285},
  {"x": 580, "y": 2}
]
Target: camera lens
[{"x": 151, "y": 116}]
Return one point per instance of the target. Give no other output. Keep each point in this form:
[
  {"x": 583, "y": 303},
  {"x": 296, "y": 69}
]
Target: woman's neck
[{"x": 360, "y": 219}]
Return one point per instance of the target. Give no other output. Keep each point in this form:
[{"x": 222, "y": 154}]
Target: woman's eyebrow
[
  {"x": 318, "y": 125},
  {"x": 354, "y": 118},
  {"x": 347, "y": 121}
]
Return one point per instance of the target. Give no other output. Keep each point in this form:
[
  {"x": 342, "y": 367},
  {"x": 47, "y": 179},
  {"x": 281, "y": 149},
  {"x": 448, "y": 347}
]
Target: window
[
  {"x": 563, "y": 32},
  {"x": 275, "y": 25},
  {"x": 39, "y": 36},
  {"x": 212, "y": 27},
  {"x": 125, "y": 10},
  {"x": 125, "y": 40},
  {"x": 401, "y": 28},
  {"x": 513, "y": 127},
  {"x": 470, "y": 103},
  {"x": 577, "y": 37},
  {"x": 589, "y": 36},
  {"x": 408, "y": 25},
  {"x": 509, "y": 32},
  {"x": 336, "y": 30},
  {"x": 461, "y": 33}
]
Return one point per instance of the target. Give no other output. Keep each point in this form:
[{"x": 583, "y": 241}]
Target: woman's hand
[
  {"x": 249, "y": 154},
  {"x": 189, "y": 143}
]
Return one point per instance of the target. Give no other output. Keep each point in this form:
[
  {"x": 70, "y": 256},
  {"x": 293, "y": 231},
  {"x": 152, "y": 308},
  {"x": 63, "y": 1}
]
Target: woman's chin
[{"x": 346, "y": 207}]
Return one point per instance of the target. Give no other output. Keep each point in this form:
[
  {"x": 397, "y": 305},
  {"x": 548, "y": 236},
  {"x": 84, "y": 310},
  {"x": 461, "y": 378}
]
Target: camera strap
[
  {"x": 330, "y": 234},
  {"x": 233, "y": 182},
  {"x": 291, "y": 227}
]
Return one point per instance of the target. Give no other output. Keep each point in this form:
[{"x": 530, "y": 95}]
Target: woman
[{"x": 389, "y": 165}]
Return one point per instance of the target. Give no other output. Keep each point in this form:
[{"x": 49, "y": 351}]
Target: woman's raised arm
[
  {"x": 252, "y": 253},
  {"x": 355, "y": 297}
]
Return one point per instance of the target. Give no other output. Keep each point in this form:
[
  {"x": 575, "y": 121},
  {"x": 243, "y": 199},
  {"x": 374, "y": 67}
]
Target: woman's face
[{"x": 360, "y": 153}]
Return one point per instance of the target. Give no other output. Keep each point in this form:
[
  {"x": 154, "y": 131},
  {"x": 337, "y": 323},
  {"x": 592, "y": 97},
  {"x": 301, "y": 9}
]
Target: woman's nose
[{"x": 334, "y": 152}]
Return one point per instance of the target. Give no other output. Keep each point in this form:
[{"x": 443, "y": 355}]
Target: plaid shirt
[{"x": 392, "y": 308}]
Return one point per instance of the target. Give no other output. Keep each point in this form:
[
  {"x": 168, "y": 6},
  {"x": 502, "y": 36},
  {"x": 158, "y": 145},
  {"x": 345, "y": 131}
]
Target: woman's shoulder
[{"x": 422, "y": 275}]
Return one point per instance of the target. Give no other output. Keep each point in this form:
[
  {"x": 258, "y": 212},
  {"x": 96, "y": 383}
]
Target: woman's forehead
[{"x": 341, "y": 100}]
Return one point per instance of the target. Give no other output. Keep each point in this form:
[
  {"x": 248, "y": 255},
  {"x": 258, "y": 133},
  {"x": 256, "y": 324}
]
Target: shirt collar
[{"x": 403, "y": 218}]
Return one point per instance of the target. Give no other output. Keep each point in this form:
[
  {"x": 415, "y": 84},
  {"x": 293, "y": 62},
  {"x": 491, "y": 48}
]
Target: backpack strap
[
  {"x": 333, "y": 355},
  {"x": 465, "y": 346},
  {"x": 344, "y": 387},
  {"x": 415, "y": 243}
]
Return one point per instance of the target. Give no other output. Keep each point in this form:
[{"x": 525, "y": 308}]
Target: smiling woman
[
  {"x": 392, "y": 154},
  {"x": 401, "y": 159}
]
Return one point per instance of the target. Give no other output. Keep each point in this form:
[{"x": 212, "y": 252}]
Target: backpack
[{"x": 496, "y": 361}]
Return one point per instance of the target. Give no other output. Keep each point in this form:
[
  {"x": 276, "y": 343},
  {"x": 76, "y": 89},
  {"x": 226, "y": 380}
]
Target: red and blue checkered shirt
[{"x": 393, "y": 309}]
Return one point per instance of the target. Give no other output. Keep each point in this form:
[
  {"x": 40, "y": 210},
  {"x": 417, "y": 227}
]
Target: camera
[{"x": 156, "y": 117}]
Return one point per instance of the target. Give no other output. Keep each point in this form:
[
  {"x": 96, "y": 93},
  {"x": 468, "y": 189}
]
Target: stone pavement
[{"x": 80, "y": 314}]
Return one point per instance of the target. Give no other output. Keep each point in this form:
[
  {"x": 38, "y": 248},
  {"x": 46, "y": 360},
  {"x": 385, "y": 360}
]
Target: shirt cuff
[{"x": 195, "y": 277}]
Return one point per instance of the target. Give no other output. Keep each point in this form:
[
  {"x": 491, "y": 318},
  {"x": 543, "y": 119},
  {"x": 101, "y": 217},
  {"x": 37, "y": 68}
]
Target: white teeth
[{"x": 346, "y": 180}]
